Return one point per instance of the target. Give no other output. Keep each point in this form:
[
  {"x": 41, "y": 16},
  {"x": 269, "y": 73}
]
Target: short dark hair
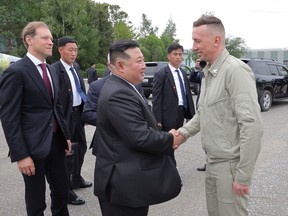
[
  {"x": 118, "y": 48},
  {"x": 92, "y": 63},
  {"x": 210, "y": 20},
  {"x": 64, "y": 40},
  {"x": 174, "y": 46}
]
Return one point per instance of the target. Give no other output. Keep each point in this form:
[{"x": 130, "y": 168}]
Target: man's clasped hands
[{"x": 178, "y": 138}]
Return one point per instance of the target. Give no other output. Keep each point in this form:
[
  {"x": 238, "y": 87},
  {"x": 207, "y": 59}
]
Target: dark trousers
[
  {"x": 77, "y": 132},
  {"x": 109, "y": 209},
  {"x": 179, "y": 123},
  {"x": 54, "y": 168}
]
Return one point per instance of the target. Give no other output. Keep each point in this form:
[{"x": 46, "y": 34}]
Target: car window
[
  {"x": 273, "y": 70},
  {"x": 259, "y": 68},
  {"x": 282, "y": 70},
  {"x": 150, "y": 69},
  {"x": 186, "y": 69},
  {"x": 153, "y": 67}
]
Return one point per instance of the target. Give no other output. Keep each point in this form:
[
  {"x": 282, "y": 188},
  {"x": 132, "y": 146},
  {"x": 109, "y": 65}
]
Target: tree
[
  {"x": 99, "y": 20},
  {"x": 152, "y": 47},
  {"x": 146, "y": 27},
  {"x": 169, "y": 33},
  {"x": 122, "y": 27},
  {"x": 236, "y": 46},
  {"x": 123, "y": 31}
]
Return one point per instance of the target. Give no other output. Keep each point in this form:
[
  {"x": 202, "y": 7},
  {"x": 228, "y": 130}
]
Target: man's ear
[{"x": 120, "y": 66}]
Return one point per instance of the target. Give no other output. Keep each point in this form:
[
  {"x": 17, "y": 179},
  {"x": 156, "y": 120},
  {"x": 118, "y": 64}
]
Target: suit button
[{"x": 51, "y": 125}]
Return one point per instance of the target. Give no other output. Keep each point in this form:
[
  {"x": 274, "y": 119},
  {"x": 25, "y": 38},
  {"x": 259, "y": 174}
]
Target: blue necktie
[
  {"x": 182, "y": 89},
  {"x": 78, "y": 87}
]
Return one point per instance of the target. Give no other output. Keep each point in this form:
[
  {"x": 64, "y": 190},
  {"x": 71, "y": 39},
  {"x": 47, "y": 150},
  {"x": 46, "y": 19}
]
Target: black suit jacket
[
  {"x": 27, "y": 110},
  {"x": 91, "y": 74},
  {"x": 130, "y": 148},
  {"x": 65, "y": 89},
  {"x": 165, "y": 98},
  {"x": 89, "y": 114}
]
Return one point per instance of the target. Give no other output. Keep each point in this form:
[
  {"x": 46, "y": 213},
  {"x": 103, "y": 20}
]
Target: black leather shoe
[
  {"x": 202, "y": 168},
  {"x": 85, "y": 184},
  {"x": 78, "y": 201},
  {"x": 81, "y": 183}
]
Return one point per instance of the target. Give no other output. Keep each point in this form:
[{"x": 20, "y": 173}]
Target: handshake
[{"x": 178, "y": 138}]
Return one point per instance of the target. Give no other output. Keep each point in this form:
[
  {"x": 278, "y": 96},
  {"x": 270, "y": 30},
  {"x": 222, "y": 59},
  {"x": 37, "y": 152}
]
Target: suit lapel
[
  {"x": 171, "y": 79},
  {"x": 33, "y": 72},
  {"x": 187, "y": 86},
  {"x": 55, "y": 83},
  {"x": 66, "y": 79},
  {"x": 77, "y": 69}
]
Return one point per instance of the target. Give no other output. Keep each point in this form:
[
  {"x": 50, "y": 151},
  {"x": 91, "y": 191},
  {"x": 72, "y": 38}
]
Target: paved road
[{"x": 269, "y": 192}]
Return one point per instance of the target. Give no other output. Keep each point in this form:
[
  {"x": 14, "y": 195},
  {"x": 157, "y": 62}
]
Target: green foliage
[
  {"x": 94, "y": 25},
  {"x": 236, "y": 46},
  {"x": 146, "y": 27},
  {"x": 154, "y": 48}
]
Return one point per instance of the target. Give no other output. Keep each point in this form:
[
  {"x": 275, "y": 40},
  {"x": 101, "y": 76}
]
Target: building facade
[{"x": 280, "y": 55}]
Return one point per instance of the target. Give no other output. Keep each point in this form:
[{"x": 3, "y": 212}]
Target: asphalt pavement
[{"x": 269, "y": 191}]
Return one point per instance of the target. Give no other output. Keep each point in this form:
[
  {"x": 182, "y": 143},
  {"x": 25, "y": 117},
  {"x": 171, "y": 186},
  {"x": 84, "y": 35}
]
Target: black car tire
[{"x": 265, "y": 101}]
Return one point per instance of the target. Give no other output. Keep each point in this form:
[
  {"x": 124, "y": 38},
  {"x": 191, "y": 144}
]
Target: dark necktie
[
  {"x": 182, "y": 89},
  {"x": 46, "y": 79},
  {"x": 49, "y": 89},
  {"x": 78, "y": 86}
]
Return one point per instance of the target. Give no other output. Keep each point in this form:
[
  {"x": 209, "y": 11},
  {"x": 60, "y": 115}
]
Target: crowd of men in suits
[{"x": 44, "y": 108}]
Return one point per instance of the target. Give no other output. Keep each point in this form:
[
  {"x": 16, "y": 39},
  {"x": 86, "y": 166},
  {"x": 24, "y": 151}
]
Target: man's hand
[
  {"x": 26, "y": 166},
  {"x": 69, "y": 147},
  {"x": 177, "y": 138},
  {"x": 240, "y": 189}
]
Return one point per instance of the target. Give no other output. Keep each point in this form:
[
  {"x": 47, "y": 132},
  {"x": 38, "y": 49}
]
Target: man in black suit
[
  {"x": 33, "y": 122},
  {"x": 132, "y": 169},
  {"x": 89, "y": 114},
  {"x": 92, "y": 73},
  {"x": 172, "y": 99},
  {"x": 73, "y": 96}
]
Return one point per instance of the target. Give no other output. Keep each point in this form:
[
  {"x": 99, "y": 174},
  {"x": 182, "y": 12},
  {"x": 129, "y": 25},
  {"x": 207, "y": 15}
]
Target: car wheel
[
  {"x": 147, "y": 95},
  {"x": 196, "y": 89},
  {"x": 265, "y": 101}
]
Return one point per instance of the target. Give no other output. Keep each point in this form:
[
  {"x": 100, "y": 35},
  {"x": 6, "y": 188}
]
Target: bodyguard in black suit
[
  {"x": 33, "y": 123},
  {"x": 73, "y": 96},
  {"x": 92, "y": 73},
  {"x": 172, "y": 99},
  {"x": 132, "y": 169}
]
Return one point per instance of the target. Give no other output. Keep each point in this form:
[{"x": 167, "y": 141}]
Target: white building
[{"x": 280, "y": 55}]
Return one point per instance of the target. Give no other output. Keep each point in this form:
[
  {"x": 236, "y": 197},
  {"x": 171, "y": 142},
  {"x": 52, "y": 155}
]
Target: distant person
[
  {"x": 172, "y": 99},
  {"x": 33, "y": 123},
  {"x": 229, "y": 119},
  {"x": 132, "y": 169},
  {"x": 73, "y": 96},
  {"x": 196, "y": 77},
  {"x": 92, "y": 73}
]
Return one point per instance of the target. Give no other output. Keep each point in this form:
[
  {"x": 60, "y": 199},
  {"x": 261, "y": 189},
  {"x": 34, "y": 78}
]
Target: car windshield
[{"x": 153, "y": 67}]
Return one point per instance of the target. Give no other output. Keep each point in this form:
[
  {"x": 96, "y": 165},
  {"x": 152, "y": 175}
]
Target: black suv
[
  {"x": 152, "y": 68},
  {"x": 271, "y": 80}
]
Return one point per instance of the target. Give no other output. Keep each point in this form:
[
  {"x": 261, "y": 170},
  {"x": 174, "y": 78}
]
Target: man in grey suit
[
  {"x": 133, "y": 169},
  {"x": 34, "y": 124}
]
